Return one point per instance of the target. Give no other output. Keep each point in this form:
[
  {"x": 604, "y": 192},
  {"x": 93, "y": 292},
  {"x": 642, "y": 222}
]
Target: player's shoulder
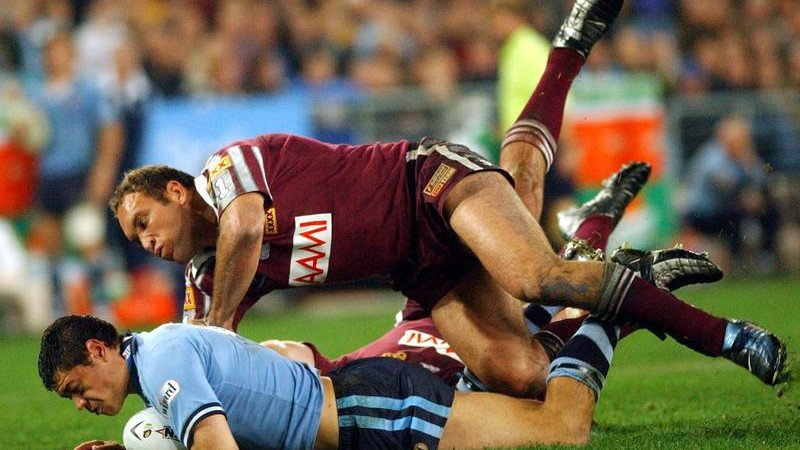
[{"x": 170, "y": 333}]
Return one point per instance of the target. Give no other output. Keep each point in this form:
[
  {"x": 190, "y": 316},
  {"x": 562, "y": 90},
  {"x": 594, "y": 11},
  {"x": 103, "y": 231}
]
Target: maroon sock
[
  {"x": 546, "y": 104},
  {"x": 566, "y": 328},
  {"x": 595, "y": 231},
  {"x": 653, "y": 308}
]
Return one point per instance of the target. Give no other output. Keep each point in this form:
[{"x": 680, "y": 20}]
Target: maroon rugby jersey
[
  {"x": 311, "y": 189},
  {"x": 414, "y": 341}
]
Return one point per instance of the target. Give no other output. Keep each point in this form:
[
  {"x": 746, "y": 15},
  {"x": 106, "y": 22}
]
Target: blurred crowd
[
  {"x": 237, "y": 47},
  {"x": 76, "y": 76}
]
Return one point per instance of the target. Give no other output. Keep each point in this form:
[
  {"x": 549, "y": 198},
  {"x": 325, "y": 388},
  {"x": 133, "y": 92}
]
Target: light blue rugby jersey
[{"x": 188, "y": 372}]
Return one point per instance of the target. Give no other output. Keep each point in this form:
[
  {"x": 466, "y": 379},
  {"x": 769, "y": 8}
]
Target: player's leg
[
  {"x": 525, "y": 267},
  {"x": 590, "y": 225},
  {"x": 576, "y": 377},
  {"x": 485, "y": 327},
  {"x": 529, "y": 146},
  {"x": 587, "y": 228}
]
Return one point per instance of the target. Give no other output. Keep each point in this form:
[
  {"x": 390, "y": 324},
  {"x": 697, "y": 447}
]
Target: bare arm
[
  {"x": 241, "y": 229},
  {"x": 110, "y": 142},
  {"x": 100, "y": 445},
  {"x": 213, "y": 433}
]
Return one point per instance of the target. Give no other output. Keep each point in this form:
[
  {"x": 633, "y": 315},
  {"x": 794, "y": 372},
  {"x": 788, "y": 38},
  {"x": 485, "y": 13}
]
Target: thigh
[
  {"x": 493, "y": 223},
  {"x": 490, "y": 219},
  {"x": 485, "y": 326}
]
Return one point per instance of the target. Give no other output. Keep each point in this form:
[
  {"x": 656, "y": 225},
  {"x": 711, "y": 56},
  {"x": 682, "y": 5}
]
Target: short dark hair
[
  {"x": 151, "y": 180},
  {"x": 64, "y": 344}
]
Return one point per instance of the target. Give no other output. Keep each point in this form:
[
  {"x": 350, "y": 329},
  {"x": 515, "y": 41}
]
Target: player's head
[
  {"x": 508, "y": 15},
  {"x": 736, "y": 136},
  {"x": 151, "y": 180},
  {"x": 79, "y": 359},
  {"x": 154, "y": 208}
]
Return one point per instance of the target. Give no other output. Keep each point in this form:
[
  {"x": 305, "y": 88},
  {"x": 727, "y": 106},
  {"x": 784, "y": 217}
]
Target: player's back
[
  {"x": 188, "y": 372},
  {"x": 335, "y": 212}
]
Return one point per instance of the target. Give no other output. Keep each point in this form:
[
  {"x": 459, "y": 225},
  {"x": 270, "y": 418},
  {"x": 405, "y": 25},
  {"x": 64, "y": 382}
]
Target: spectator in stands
[
  {"x": 726, "y": 190},
  {"x": 522, "y": 61},
  {"x": 78, "y": 167},
  {"x": 24, "y": 298},
  {"x": 129, "y": 90},
  {"x": 168, "y": 42}
]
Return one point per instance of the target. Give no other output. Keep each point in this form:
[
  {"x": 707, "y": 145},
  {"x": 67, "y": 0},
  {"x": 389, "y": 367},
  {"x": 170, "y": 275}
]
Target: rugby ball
[{"x": 149, "y": 430}]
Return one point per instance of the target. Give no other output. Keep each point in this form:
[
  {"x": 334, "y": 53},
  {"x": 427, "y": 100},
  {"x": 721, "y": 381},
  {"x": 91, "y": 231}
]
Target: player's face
[
  {"x": 162, "y": 228},
  {"x": 98, "y": 387}
]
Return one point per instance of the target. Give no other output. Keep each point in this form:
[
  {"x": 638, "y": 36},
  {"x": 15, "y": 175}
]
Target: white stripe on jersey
[
  {"x": 200, "y": 183},
  {"x": 444, "y": 151},
  {"x": 242, "y": 171},
  {"x": 260, "y": 158}
]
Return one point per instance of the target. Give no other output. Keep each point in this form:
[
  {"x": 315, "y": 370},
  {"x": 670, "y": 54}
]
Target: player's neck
[{"x": 205, "y": 223}]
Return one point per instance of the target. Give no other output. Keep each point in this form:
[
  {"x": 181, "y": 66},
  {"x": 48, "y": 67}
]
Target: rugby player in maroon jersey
[{"x": 442, "y": 223}]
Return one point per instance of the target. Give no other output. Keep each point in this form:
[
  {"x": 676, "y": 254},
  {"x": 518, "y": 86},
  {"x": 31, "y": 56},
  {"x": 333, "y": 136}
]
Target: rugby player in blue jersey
[{"x": 220, "y": 391}]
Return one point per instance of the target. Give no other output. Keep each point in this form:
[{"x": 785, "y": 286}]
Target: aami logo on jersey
[
  {"x": 311, "y": 249},
  {"x": 414, "y": 338}
]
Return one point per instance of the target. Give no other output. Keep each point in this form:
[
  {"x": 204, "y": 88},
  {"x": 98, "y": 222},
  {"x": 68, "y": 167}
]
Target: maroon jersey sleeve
[{"x": 231, "y": 172}]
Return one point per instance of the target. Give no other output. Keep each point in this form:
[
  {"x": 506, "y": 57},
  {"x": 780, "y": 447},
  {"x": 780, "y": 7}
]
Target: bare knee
[{"x": 517, "y": 376}]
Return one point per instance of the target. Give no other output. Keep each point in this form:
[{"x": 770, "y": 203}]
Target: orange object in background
[
  {"x": 78, "y": 297},
  {"x": 18, "y": 178},
  {"x": 606, "y": 143},
  {"x": 150, "y": 301}
]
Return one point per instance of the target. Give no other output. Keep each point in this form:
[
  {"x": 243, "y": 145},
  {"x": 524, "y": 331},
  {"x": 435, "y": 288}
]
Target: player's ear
[
  {"x": 96, "y": 349},
  {"x": 176, "y": 191}
]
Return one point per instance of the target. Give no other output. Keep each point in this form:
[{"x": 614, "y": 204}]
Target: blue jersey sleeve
[
  {"x": 189, "y": 373},
  {"x": 176, "y": 383}
]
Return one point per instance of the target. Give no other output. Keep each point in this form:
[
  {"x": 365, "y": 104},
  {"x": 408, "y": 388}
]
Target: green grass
[{"x": 658, "y": 395}]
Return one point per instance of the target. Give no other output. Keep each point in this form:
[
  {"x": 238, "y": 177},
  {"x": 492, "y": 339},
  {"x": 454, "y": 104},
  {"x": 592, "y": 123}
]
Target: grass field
[{"x": 658, "y": 395}]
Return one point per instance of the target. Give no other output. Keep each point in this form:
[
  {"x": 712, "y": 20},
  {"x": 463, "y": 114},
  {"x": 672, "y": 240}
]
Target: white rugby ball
[{"x": 149, "y": 430}]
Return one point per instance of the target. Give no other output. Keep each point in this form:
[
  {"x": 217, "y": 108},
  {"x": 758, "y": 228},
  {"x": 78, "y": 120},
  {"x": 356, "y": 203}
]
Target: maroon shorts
[
  {"x": 439, "y": 260},
  {"x": 415, "y": 341}
]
